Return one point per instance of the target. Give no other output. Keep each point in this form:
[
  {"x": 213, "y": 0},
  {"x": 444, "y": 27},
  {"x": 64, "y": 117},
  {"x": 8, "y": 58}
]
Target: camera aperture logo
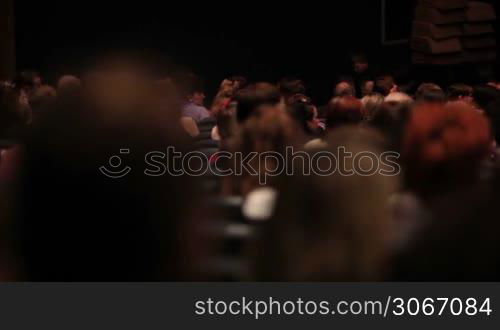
[{"x": 113, "y": 170}]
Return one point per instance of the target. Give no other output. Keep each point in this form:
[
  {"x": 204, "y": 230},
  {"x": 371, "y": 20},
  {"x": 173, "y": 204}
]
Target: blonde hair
[
  {"x": 371, "y": 103},
  {"x": 398, "y": 98}
]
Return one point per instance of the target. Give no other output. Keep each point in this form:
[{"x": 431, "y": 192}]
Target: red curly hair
[
  {"x": 344, "y": 110},
  {"x": 444, "y": 145}
]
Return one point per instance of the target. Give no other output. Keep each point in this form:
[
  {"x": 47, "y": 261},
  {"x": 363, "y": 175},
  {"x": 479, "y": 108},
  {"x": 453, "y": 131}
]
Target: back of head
[
  {"x": 444, "y": 146},
  {"x": 367, "y": 87},
  {"x": 230, "y": 86},
  {"x": 384, "y": 84},
  {"x": 398, "y": 98},
  {"x": 459, "y": 91},
  {"x": 43, "y": 100},
  {"x": 301, "y": 109},
  {"x": 330, "y": 227},
  {"x": 68, "y": 86},
  {"x": 360, "y": 62},
  {"x": 430, "y": 93},
  {"x": 252, "y": 97},
  {"x": 271, "y": 132},
  {"x": 25, "y": 80},
  {"x": 345, "y": 110},
  {"x": 391, "y": 119},
  {"x": 290, "y": 86},
  {"x": 188, "y": 83},
  {"x": 344, "y": 88},
  {"x": 371, "y": 103},
  {"x": 83, "y": 216}
]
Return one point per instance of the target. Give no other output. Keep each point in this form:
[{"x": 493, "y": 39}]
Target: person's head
[
  {"x": 371, "y": 103},
  {"x": 367, "y": 87},
  {"x": 460, "y": 92},
  {"x": 28, "y": 81},
  {"x": 344, "y": 88},
  {"x": 37, "y": 80},
  {"x": 133, "y": 223},
  {"x": 391, "y": 119},
  {"x": 270, "y": 132},
  {"x": 197, "y": 96},
  {"x": 68, "y": 86},
  {"x": 398, "y": 98},
  {"x": 444, "y": 146},
  {"x": 191, "y": 86},
  {"x": 385, "y": 84},
  {"x": 330, "y": 227},
  {"x": 359, "y": 63},
  {"x": 230, "y": 86},
  {"x": 430, "y": 93},
  {"x": 494, "y": 84},
  {"x": 239, "y": 82},
  {"x": 304, "y": 112},
  {"x": 290, "y": 86},
  {"x": 251, "y": 98},
  {"x": 43, "y": 100},
  {"x": 346, "y": 110}
]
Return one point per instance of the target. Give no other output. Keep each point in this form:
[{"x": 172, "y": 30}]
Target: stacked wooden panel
[
  {"x": 479, "y": 40},
  {"x": 452, "y": 32}
]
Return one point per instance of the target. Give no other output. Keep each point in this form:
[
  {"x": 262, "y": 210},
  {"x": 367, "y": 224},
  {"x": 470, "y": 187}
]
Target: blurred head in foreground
[
  {"x": 462, "y": 243},
  {"x": 269, "y": 133},
  {"x": 86, "y": 210},
  {"x": 254, "y": 98},
  {"x": 330, "y": 227}
]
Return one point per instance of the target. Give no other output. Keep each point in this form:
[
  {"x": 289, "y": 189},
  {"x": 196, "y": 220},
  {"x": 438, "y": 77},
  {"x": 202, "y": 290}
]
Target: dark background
[{"x": 263, "y": 40}]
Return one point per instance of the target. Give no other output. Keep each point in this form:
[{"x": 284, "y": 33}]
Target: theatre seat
[{"x": 232, "y": 235}]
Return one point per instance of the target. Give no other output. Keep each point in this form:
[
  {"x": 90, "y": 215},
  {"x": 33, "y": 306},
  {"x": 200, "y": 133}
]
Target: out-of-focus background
[{"x": 215, "y": 39}]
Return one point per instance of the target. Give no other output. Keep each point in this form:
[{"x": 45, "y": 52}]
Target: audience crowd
[{"x": 428, "y": 212}]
